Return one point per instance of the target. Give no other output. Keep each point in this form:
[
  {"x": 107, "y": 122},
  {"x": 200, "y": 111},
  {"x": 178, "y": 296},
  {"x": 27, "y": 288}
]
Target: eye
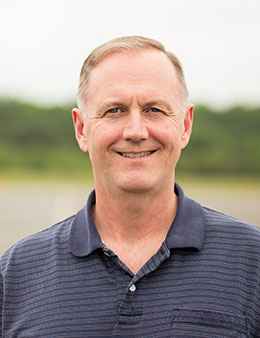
[
  {"x": 113, "y": 110},
  {"x": 155, "y": 110}
]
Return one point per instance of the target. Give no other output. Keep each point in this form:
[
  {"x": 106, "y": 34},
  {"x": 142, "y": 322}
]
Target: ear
[
  {"x": 187, "y": 125},
  {"x": 79, "y": 125}
]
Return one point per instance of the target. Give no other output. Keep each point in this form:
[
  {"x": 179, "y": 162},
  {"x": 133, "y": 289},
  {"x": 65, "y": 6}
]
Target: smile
[{"x": 135, "y": 155}]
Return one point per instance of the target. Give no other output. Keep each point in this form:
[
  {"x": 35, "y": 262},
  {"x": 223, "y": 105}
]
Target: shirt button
[{"x": 132, "y": 288}]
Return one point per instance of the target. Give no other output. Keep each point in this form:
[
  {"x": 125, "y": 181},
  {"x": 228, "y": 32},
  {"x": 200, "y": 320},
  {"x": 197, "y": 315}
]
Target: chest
[{"x": 98, "y": 296}]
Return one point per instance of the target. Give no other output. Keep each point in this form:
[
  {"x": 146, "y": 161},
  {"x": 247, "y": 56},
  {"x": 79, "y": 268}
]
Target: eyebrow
[
  {"x": 114, "y": 103},
  {"x": 109, "y": 104},
  {"x": 160, "y": 103}
]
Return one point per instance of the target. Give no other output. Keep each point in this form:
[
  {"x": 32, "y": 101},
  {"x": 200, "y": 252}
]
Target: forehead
[{"x": 137, "y": 72}]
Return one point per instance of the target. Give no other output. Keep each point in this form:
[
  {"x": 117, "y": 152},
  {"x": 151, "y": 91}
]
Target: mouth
[{"x": 136, "y": 155}]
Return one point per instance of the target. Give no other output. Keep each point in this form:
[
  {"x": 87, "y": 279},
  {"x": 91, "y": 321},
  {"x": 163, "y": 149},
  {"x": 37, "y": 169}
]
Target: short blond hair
[{"x": 128, "y": 44}]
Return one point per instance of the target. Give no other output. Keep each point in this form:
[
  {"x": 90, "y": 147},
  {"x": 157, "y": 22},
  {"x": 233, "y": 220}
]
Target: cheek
[
  {"x": 100, "y": 137},
  {"x": 169, "y": 134}
]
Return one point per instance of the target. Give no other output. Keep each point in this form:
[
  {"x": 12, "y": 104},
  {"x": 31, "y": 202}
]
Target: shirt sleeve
[{"x": 1, "y": 302}]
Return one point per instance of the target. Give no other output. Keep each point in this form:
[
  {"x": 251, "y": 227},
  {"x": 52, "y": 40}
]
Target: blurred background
[{"x": 45, "y": 178}]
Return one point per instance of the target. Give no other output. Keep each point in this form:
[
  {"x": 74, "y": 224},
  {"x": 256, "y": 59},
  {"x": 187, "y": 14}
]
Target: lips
[{"x": 135, "y": 155}]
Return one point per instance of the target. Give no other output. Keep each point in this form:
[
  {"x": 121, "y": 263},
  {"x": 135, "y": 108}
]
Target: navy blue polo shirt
[{"x": 203, "y": 282}]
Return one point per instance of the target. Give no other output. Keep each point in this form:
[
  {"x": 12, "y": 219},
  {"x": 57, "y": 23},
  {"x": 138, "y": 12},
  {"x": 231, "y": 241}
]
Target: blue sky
[{"x": 44, "y": 43}]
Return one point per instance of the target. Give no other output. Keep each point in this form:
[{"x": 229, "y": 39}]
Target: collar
[
  {"x": 188, "y": 227},
  {"x": 186, "y": 231}
]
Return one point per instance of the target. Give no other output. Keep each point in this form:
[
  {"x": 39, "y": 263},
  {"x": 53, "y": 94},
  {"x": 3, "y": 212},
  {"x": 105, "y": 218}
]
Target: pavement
[{"x": 29, "y": 207}]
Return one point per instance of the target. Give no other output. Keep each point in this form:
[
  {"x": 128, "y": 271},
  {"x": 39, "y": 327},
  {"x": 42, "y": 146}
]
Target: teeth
[{"x": 133, "y": 155}]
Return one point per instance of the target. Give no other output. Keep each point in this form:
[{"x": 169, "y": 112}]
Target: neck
[
  {"x": 134, "y": 225},
  {"x": 134, "y": 217}
]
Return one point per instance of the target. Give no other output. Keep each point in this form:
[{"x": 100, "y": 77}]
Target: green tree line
[{"x": 41, "y": 138}]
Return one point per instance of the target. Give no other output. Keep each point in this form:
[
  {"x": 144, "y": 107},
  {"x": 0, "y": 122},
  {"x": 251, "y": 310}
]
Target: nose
[{"x": 135, "y": 128}]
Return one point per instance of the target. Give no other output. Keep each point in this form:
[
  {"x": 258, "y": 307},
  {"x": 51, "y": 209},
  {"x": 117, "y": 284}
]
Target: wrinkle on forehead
[
  {"x": 134, "y": 67},
  {"x": 146, "y": 75},
  {"x": 137, "y": 100}
]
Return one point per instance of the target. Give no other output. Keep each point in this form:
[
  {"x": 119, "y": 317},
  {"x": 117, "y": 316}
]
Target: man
[{"x": 141, "y": 259}]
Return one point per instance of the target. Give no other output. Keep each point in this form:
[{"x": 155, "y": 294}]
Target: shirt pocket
[{"x": 188, "y": 323}]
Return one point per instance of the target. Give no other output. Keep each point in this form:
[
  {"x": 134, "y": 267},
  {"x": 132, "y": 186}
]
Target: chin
[
  {"x": 136, "y": 186},
  {"x": 135, "y": 190}
]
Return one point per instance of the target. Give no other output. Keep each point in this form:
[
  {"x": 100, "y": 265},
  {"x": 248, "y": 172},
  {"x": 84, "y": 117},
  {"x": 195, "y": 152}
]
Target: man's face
[{"x": 134, "y": 126}]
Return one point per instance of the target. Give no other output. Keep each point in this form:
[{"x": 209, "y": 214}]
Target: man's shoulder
[
  {"x": 39, "y": 245},
  {"x": 223, "y": 226},
  {"x": 221, "y": 219}
]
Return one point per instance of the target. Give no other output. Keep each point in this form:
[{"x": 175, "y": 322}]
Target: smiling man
[
  {"x": 133, "y": 123},
  {"x": 140, "y": 259}
]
